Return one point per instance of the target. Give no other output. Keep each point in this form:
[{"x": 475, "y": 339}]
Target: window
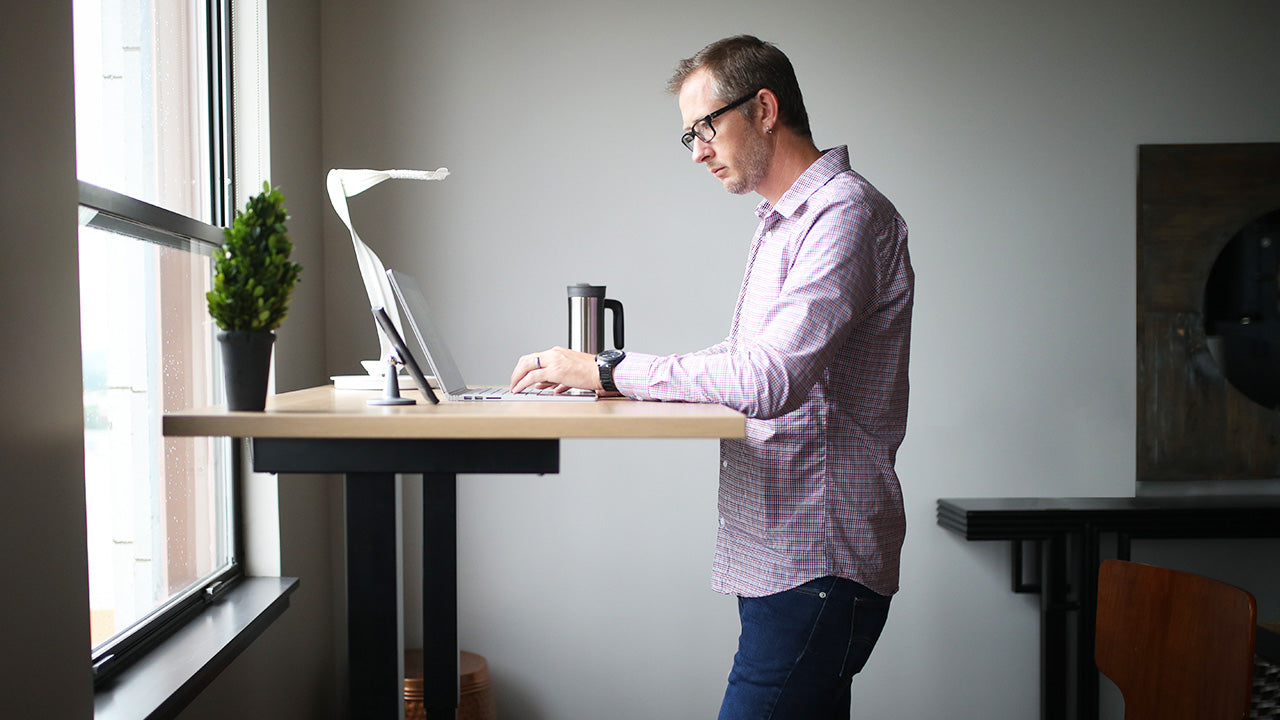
[{"x": 151, "y": 143}]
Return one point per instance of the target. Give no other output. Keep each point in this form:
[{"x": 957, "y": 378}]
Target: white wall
[{"x": 1006, "y": 133}]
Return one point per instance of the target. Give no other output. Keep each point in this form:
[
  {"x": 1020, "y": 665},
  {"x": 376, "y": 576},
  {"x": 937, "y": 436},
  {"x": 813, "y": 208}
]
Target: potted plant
[{"x": 253, "y": 281}]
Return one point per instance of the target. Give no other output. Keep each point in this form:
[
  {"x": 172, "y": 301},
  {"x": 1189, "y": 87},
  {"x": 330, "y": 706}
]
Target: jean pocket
[
  {"x": 818, "y": 588},
  {"x": 869, "y": 616}
]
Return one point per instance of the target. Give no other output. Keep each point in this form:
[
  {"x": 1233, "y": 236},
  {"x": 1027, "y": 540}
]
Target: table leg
[
  {"x": 440, "y": 595},
  {"x": 1053, "y": 629},
  {"x": 1086, "y": 625},
  {"x": 373, "y": 627}
]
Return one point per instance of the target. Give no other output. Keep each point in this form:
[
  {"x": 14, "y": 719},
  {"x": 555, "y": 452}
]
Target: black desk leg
[
  {"x": 373, "y": 628},
  {"x": 1053, "y": 629},
  {"x": 440, "y": 595},
  {"x": 1086, "y": 625}
]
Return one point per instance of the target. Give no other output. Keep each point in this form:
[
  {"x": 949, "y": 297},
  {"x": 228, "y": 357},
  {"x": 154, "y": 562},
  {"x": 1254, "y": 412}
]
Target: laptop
[{"x": 448, "y": 376}]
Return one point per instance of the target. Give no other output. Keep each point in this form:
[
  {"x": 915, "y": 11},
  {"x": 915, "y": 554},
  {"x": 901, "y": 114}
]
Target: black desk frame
[
  {"x": 373, "y": 628},
  {"x": 1065, "y": 538}
]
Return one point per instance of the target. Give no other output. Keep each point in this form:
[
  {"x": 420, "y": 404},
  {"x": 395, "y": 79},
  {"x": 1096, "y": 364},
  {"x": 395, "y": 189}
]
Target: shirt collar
[{"x": 832, "y": 163}]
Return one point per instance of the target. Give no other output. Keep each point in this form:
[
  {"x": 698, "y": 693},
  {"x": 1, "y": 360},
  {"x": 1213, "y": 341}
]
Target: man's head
[
  {"x": 744, "y": 64},
  {"x": 732, "y": 96},
  {"x": 736, "y": 148}
]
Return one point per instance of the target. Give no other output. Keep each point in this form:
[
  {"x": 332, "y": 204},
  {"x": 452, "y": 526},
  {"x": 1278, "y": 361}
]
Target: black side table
[{"x": 1064, "y": 536}]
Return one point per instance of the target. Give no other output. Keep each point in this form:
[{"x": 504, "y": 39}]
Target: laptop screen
[{"x": 433, "y": 345}]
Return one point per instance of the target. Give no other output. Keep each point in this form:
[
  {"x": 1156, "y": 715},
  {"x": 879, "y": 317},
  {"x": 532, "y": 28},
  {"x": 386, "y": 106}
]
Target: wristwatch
[{"x": 606, "y": 361}]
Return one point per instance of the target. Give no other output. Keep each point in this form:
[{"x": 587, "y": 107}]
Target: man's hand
[{"x": 558, "y": 367}]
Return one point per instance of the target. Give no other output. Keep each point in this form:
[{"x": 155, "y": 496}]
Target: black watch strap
[{"x": 607, "y": 361}]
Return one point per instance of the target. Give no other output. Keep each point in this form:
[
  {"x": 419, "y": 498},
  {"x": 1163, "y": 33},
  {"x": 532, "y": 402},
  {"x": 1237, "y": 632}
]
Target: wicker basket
[
  {"x": 476, "y": 696},
  {"x": 1266, "y": 690}
]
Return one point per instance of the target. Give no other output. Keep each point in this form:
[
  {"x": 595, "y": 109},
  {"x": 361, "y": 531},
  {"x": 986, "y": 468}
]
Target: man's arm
[{"x": 830, "y": 286}]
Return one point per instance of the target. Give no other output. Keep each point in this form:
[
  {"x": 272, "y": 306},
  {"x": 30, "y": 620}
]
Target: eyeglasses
[{"x": 704, "y": 130}]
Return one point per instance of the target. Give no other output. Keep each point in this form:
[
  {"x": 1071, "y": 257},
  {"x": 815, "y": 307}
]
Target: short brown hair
[{"x": 742, "y": 64}]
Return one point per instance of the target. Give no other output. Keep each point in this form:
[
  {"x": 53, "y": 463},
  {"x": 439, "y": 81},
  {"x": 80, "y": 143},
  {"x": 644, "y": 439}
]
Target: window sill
[{"x": 161, "y": 684}]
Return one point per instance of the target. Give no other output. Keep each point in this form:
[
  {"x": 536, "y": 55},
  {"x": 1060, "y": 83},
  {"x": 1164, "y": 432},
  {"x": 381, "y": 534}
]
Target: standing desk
[{"x": 325, "y": 431}]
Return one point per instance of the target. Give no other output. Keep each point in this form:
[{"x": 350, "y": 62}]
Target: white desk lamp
[{"x": 343, "y": 184}]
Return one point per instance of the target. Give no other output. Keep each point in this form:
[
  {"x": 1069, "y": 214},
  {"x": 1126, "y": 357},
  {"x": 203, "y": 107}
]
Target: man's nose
[{"x": 701, "y": 149}]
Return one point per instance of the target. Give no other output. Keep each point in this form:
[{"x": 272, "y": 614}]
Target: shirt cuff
[{"x": 631, "y": 376}]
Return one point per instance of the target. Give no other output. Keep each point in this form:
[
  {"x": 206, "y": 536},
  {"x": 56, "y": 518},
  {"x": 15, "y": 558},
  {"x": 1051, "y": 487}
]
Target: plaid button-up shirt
[{"x": 816, "y": 358}]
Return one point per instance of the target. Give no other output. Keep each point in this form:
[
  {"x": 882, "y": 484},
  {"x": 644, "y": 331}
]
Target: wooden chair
[{"x": 1177, "y": 645}]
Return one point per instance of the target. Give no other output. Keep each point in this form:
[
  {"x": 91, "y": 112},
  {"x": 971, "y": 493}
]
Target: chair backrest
[{"x": 1177, "y": 645}]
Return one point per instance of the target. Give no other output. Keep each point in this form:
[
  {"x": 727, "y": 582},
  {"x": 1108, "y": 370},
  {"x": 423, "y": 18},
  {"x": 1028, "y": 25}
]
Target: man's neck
[{"x": 792, "y": 156}]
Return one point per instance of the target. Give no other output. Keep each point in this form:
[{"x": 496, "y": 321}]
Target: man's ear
[{"x": 768, "y": 103}]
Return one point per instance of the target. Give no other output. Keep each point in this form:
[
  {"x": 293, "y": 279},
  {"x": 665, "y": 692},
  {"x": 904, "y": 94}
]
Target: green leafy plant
[{"x": 253, "y": 276}]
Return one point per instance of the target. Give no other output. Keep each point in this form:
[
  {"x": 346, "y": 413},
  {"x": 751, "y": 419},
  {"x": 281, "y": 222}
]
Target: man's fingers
[{"x": 525, "y": 365}]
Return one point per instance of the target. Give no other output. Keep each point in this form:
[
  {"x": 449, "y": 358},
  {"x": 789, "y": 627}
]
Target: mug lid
[{"x": 586, "y": 290}]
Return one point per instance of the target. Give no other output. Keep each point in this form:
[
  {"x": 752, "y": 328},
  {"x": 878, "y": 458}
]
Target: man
[{"x": 811, "y": 518}]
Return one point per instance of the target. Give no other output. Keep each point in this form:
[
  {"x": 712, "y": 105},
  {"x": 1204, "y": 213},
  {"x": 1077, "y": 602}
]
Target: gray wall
[
  {"x": 1006, "y": 133},
  {"x": 44, "y": 670},
  {"x": 291, "y": 671}
]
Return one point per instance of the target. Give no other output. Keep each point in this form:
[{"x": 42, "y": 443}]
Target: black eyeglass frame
[{"x": 687, "y": 138}]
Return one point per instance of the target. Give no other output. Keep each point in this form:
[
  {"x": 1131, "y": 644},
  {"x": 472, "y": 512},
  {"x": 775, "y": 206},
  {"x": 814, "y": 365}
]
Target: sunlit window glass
[
  {"x": 142, "y": 101},
  {"x": 158, "y": 510},
  {"x": 157, "y": 507}
]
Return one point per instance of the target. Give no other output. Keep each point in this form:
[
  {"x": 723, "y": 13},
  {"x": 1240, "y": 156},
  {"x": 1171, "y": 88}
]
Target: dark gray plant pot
[{"x": 246, "y": 363}]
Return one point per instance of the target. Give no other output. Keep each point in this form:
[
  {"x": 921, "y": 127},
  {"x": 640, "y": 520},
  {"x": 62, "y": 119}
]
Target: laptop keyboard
[{"x": 497, "y": 393}]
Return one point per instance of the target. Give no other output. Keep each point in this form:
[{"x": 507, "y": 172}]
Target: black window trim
[
  {"x": 117, "y": 212},
  {"x": 221, "y": 120},
  {"x": 165, "y": 680}
]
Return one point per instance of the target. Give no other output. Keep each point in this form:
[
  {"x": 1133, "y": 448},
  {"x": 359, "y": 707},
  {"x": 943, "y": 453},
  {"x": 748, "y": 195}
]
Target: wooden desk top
[{"x": 325, "y": 412}]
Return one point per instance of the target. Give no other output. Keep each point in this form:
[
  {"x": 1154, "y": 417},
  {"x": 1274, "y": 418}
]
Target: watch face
[{"x": 610, "y": 356}]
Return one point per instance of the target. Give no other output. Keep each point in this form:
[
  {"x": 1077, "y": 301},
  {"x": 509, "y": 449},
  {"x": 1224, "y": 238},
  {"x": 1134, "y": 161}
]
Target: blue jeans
[{"x": 799, "y": 650}]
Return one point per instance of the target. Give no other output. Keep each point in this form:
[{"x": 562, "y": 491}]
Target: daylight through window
[{"x": 149, "y": 143}]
